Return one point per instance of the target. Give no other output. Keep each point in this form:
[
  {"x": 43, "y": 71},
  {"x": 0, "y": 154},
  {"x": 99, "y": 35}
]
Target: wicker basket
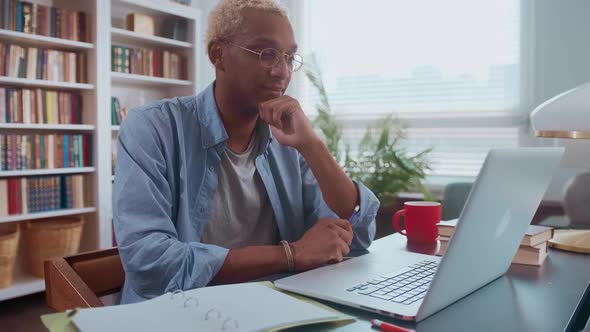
[
  {"x": 8, "y": 250},
  {"x": 50, "y": 238}
]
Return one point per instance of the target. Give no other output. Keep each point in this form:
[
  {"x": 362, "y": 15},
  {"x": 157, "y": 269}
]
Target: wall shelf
[
  {"x": 43, "y": 41},
  {"x": 23, "y": 82},
  {"x": 125, "y": 36},
  {"x": 47, "y": 214},
  {"x": 134, "y": 79},
  {"x": 43, "y": 126},
  {"x": 23, "y": 285},
  {"x": 152, "y": 7},
  {"x": 51, "y": 171}
]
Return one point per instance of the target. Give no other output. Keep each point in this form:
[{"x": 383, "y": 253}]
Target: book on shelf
[
  {"x": 41, "y": 193},
  {"x": 40, "y": 106},
  {"x": 42, "y": 64},
  {"x": 27, "y": 152},
  {"x": 175, "y": 28},
  {"x": 140, "y": 23},
  {"x": 527, "y": 255},
  {"x": 118, "y": 113},
  {"x": 114, "y": 143},
  {"x": 34, "y": 18},
  {"x": 534, "y": 235},
  {"x": 148, "y": 62}
]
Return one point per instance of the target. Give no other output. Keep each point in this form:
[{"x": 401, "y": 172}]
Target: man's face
[{"x": 250, "y": 81}]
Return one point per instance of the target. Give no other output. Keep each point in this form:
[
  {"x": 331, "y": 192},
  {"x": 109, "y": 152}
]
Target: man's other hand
[{"x": 326, "y": 242}]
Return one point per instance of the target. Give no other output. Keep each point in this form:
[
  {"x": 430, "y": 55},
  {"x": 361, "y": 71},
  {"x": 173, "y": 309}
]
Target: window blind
[{"x": 449, "y": 69}]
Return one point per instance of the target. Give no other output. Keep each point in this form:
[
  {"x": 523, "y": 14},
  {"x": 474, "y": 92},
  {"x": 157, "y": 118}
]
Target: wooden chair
[{"x": 78, "y": 281}]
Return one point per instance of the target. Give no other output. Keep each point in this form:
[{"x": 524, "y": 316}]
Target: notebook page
[{"x": 239, "y": 307}]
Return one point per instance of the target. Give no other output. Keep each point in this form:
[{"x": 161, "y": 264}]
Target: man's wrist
[{"x": 290, "y": 256}]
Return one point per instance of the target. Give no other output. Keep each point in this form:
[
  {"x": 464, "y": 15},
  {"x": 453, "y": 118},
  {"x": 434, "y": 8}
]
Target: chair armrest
[{"x": 64, "y": 289}]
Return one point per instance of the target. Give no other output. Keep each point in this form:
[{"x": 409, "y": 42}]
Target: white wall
[
  {"x": 206, "y": 74},
  {"x": 556, "y": 58}
]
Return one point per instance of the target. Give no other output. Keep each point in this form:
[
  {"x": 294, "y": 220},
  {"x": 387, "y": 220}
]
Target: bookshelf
[
  {"x": 23, "y": 284},
  {"x": 132, "y": 89},
  {"x": 50, "y": 171},
  {"x": 33, "y": 83},
  {"x": 106, "y": 27},
  {"x": 159, "y": 8},
  {"x": 148, "y": 81},
  {"x": 125, "y": 36},
  {"x": 50, "y": 127},
  {"x": 29, "y": 39},
  {"x": 48, "y": 214}
]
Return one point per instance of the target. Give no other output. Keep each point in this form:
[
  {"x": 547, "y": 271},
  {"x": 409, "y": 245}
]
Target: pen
[{"x": 386, "y": 327}]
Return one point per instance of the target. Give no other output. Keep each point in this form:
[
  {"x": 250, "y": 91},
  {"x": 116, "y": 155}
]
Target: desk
[{"x": 527, "y": 298}]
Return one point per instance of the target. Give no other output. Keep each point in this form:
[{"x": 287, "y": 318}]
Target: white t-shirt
[{"x": 242, "y": 215}]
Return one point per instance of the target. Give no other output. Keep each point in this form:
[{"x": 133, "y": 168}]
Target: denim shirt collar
[{"x": 212, "y": 130}]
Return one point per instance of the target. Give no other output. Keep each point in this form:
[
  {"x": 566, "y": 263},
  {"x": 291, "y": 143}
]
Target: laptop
[{"x": 413, "y": 286}]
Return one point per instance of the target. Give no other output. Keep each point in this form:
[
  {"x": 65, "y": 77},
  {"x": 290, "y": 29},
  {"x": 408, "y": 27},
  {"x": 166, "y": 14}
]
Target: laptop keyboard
[{"x": 404, "y": 286}]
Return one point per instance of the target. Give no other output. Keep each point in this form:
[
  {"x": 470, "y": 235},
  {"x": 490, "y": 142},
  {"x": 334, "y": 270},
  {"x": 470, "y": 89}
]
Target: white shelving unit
[
  {"x": 24, "y": 284},
  {"x": 49, "y": 171},
  {"x": 106, "y": 24},
  {"x": 157, "y": 82},
  {"x": 23, "y": 82},
  {"x": 133, "y": 90},
  {"x": 52, "y": 127},
  {"x": 48, "y": 214},
  {"x": 126, "y": 36},
  {"x": 158, "y": 8},
  {"x": 22, "y": 38}
]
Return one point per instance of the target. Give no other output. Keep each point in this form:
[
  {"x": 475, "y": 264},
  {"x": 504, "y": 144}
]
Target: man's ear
[{"x": 215, "y": 53}]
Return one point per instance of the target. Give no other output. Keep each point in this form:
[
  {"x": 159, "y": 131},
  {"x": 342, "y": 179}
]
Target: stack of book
[
  {"x": 532, "y": 250},
  {"x": 148, "y": 62}
]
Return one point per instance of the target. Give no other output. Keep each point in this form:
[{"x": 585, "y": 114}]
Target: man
[{"x": 208, "y": 185}]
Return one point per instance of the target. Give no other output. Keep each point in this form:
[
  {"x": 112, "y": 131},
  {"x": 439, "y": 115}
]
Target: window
[{"x": 450, "y": 69}]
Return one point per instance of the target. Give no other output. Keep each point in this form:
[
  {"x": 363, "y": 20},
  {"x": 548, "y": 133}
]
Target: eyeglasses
[{"x": 270, "y": 57}]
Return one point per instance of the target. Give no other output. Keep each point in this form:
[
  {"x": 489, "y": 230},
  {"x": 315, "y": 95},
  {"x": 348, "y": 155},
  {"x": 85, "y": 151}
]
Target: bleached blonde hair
[{"x": 226, "y": 18}]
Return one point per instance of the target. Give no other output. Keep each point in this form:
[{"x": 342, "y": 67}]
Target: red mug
[{"x": 420, "y": 219}]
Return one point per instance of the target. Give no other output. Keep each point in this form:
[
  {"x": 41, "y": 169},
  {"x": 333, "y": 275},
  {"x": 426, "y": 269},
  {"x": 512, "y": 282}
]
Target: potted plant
[{"x": 380, "y": 162}]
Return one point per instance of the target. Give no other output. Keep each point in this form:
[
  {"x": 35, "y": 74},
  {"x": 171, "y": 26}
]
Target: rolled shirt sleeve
[
  {"x": 154, "y": 259},
  {"x": 363, "y": 223}
]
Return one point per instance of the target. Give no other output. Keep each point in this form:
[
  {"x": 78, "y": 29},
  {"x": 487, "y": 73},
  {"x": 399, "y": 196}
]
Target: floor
[{"x": 22, "y": 314}]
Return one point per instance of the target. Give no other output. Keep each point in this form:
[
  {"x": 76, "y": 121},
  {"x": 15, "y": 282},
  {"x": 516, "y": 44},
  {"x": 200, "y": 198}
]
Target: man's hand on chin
[{"x": 289, "y": 124}]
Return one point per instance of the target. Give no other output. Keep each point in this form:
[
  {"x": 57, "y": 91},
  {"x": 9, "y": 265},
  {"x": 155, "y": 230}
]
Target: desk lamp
[{"x": 567, "y": 116}]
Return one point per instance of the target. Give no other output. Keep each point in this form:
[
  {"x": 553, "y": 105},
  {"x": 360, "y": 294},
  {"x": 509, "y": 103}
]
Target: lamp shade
[{"x": 566, "y": 115}]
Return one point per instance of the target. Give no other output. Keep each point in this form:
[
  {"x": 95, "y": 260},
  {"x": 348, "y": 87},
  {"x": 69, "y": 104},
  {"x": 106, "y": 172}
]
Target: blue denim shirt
[{"x": 166, "y": 177}]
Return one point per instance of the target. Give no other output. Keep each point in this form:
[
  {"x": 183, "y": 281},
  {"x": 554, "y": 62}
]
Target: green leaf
[{"x": 382, "y": 163}]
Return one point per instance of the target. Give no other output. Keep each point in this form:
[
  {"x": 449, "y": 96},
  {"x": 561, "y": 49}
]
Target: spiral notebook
[{"x": 239, "y": 307}]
